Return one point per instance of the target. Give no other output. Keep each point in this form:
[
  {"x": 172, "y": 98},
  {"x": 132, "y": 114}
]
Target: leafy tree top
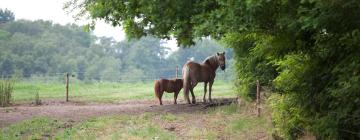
[
  {"x": 188, "y": 19},
  {"x": 6, "y": 16}
]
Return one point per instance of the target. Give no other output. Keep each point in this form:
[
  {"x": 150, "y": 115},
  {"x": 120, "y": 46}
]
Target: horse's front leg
[
  {"x": 210, "y": 88},
  {"x": 205, "y": 86}
]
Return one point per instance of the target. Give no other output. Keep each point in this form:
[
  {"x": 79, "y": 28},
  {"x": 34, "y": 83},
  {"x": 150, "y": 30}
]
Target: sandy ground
[{"x": 77, "y": 111}]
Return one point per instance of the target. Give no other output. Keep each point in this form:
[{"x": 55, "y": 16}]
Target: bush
[{"x": 251, "y": 62}]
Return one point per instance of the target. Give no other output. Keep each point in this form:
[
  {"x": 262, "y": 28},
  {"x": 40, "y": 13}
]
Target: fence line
[
  {"x": 83, "y": 72},
  {"x": 118, "y": 77}
]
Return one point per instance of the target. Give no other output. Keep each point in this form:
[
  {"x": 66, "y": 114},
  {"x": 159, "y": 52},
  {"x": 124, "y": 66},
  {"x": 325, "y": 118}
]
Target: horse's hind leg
[
  {"x": 175, "y": 96},
  {"x": 160, "y": 98},
  {"x": 192, "y": 92},
  {"x": 205, "y": 86}
]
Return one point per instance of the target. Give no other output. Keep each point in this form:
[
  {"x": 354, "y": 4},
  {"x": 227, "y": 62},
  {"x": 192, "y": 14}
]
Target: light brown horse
[
  {"x": 173, "y": 85},
  {"x": 193, "y": 73}
]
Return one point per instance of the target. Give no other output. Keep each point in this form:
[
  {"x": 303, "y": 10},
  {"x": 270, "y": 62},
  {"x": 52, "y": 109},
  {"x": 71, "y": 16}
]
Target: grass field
[{"x": 25, "y": 91}]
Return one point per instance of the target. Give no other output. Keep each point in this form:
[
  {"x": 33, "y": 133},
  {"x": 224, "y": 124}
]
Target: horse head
[{"x": 220, "y": 56}]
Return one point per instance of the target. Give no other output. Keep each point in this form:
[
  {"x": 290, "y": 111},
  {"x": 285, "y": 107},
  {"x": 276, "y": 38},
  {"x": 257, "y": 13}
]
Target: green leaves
[{"x": 6, "y": 16}]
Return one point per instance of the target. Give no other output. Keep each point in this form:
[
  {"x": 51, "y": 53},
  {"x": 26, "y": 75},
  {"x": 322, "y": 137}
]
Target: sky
[{"x": 53, "y": 10}]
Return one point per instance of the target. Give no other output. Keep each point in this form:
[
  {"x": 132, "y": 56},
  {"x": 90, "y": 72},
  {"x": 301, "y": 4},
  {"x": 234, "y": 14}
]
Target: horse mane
[{"x": 211, "y": 61}]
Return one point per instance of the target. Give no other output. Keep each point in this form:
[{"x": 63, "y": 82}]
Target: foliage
[
  {"x": 6, "y": 16},
  {"x": 308, "y": 49},
  {"x": 6, "y": 91},
  {"x": 250, "y": 62}
]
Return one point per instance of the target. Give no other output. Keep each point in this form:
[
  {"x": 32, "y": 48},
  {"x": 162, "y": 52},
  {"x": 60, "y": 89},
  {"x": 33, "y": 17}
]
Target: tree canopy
[
  {"x": 306, "y": 50},
  {"x": 6, "y": 16}
]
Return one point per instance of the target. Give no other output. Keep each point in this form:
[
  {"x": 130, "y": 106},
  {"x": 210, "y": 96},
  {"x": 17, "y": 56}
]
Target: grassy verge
[
  {"x": 103, "y": 92},
  {"x": 111, "y": 127},
  {"x": 115, "y": 127},
  {"x": 37, "y": 128},
  {"x": 229, "y": 122}
]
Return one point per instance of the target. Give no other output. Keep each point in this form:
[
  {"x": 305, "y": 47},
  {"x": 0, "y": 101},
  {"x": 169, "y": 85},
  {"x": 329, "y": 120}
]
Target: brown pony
[
  {"x": 173, "y": 85},
  {"x": 204, "y": 72}
]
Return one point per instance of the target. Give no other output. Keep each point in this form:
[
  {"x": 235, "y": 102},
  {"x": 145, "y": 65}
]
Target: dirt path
[{"x": 77, "y": 111}]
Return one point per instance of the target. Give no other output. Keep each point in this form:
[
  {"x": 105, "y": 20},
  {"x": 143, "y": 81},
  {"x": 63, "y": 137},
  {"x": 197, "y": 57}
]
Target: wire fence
[
  {"x": 118, "y": 76},
  {"x": 106, "y": 86}
]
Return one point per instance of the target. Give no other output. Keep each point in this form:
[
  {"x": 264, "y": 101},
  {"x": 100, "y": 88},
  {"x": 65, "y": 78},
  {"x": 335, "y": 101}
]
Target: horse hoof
[
  {"x": 175, "y": 103},
  {"x": 204, "y": 101},
  {"x": 194, "y": 102}
]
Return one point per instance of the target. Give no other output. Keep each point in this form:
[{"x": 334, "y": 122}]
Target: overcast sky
[{"x": 52, "y": 10}]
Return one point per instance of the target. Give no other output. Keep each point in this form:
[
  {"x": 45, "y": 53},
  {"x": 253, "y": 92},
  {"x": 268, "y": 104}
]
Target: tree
[
  {"x": 6, "y": 16},
  {"x": 6, "y": 68},
  {"x": 41, "y": 47},
  {"x": 309, "y": 50}
]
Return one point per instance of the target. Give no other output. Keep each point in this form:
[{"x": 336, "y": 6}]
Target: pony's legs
[
  {"x": 205, "y": 86},
  {"x": 175, "y": 97},
  {"x": 193, "y": 96},
  {"x": 210, "y": 88},
  {"x": 160, "y": 97}
]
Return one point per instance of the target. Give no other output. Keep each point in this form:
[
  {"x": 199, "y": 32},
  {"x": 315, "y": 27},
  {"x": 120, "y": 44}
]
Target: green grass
[
  {"x": 31, "y": 129},
  {"x": 115, "y": 127},
  {"x": 170, "y": 117},
  {"x": 104, "y": 92},
  {"x": 110, "y": 127}
]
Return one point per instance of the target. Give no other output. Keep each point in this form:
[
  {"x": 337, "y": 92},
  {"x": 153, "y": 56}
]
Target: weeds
[
  {"x": 37, "y": 98},
  {"x": 6, "y": 89}
]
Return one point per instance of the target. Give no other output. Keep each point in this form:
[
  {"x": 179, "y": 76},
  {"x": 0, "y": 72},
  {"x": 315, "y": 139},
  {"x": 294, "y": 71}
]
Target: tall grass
[{"x": 6, "y": 89}]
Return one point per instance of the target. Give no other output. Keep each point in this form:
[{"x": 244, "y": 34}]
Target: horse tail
[
  {"x": 157, "y": 89},
  {"x": 186, "y": 83}
]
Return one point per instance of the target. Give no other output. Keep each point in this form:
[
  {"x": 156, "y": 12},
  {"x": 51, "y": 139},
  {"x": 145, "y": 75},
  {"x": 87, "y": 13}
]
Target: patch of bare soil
[{"x": 77, "y": 111}]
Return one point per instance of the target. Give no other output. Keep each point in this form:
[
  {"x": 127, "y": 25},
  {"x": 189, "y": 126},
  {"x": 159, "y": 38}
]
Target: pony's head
[{"x": 220, "y": 56}]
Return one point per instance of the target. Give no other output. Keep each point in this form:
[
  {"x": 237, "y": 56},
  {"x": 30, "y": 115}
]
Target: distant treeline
[{"x": 44, "y": 48}]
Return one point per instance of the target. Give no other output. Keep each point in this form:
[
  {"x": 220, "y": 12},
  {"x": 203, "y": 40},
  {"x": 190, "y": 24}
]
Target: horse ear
[
  {"x": 224, "y": 52},
  {"x": 217, "y": 53}
]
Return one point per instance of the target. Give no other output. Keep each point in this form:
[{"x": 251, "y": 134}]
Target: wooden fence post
[
  {"x": 177, "y": 72},
  {"x": 258, "y": 97},
  {"x": 67, "y": 87}
]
